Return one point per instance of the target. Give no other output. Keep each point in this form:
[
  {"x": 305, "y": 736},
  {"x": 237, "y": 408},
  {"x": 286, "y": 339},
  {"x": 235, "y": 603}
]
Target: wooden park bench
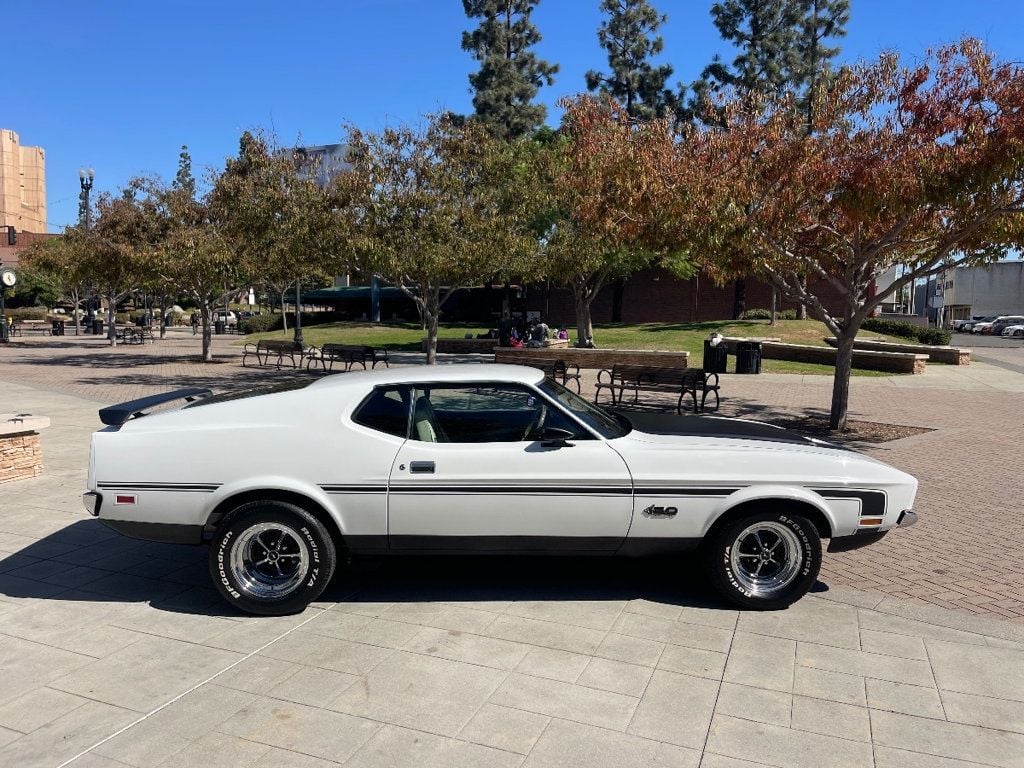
[
  {"x": 278, "y": 349},
  {"x": 621, "y": 379},
  {"x": 555, "y": 369},
  {"x": 19, "y": 327},
  {"x": 347, "y": 354},
  {"x": 132, "y": 334}
]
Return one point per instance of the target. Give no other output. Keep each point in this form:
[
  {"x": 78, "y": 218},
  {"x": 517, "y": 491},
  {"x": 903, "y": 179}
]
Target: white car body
[
  {"x": 1013, "y": 330},
  {"x": 168, "y": 477}
]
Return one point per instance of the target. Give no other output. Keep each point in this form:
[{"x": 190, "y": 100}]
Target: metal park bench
[
  {"x": 557, "y": 370},
  {"x": 279, "y": 350},
  {"x": 641, "y": 378},
  {"x": 346, "y": 354}
]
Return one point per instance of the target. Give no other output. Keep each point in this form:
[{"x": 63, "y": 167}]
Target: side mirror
[{"x": 555, "y": 437}]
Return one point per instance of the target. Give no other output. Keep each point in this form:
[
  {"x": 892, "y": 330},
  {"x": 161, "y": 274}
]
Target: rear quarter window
[{"x": 386, "y": 410}]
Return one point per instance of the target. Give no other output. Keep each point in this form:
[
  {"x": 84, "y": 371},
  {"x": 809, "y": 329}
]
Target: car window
[
  {"x": 484, "y": 413},
  {"x": 386, "y": 409}
]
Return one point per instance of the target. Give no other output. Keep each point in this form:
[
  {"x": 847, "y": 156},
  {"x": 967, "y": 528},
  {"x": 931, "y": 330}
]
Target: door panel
[{"x": 518, "y": 496}]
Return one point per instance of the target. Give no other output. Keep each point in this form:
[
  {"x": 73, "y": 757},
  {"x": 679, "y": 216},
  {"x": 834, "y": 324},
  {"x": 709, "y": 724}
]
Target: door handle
[{"x": 421, "y": 467}]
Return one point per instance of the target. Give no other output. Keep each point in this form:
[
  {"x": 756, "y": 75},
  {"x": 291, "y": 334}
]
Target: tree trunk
[
  {"x": 284, "y": 315},
  {"x": 739, "y": 304},
  {"x": 775, "y": 306},
  {"x": 841, "y": 383},
  {"x": 584, "y": 325},
  {"x": 163, "y": 316},
  {"x": 78, "y": 320},
  {"x": 801, "y": 308},
  {"x": 112, "y": 322},
  {"x": 430, "y": 310},
  {"x": 207, "y": 332},
  {"x": 618, "y": 290}
]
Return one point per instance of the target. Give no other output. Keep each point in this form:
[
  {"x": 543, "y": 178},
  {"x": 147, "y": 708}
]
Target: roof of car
[{"x": 454, "y": 373}]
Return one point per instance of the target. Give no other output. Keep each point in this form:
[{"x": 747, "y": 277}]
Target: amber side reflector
[{"x": 871, "y": 521}]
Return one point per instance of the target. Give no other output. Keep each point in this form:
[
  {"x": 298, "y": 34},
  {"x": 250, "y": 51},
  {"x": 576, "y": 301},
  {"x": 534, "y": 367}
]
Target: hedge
[
  {"x": 905, "y": 330},
  {"x": 27, "y": 313},
  {"x": 766, "y": 314}
]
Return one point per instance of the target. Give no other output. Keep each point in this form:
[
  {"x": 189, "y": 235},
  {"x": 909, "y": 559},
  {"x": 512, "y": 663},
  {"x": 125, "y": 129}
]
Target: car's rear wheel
[
  {"x": 271, "y": 558},
  {"x": 765, "y": 560}
]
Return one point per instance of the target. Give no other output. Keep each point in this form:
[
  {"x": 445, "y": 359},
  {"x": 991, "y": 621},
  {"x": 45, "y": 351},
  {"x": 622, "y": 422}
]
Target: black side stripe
[
  {"x": 354, "y": 488},
  {"x": 872, "y": 503},
  {"x": 172, "y": 487},
  {"x": 515, "y": 490},
  {"x": 661, "y": 490}
]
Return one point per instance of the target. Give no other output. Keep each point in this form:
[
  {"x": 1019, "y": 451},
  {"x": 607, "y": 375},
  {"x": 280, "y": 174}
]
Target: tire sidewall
[
  {"x": 319, "y": 552},
  {"x": 719, "y": 560}
]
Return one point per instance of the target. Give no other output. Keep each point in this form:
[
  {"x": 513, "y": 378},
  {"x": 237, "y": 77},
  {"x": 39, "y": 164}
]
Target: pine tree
[
  {"x": 629, "y": 34},
  {"x": 822, "y": 20},
  {"x": 183, "y": 179},
  {"x": 766, "y": 32},
  {"x": 510, "y": 73}
]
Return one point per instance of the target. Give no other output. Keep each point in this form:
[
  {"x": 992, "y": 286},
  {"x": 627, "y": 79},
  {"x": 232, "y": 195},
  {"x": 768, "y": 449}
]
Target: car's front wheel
[
  {"x": 271, "y": 558},
  {"x": 765, "y": 560}
]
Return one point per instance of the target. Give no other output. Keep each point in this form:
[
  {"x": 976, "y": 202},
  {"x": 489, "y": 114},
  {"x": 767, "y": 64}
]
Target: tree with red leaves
[{"x": 920, "y": 166}]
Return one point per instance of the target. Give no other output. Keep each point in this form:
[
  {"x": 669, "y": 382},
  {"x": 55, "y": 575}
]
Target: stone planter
[{"x": 21, "y": 452}]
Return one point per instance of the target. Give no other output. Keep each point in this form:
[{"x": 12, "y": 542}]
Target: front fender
[{"x": 765, "y": 492}]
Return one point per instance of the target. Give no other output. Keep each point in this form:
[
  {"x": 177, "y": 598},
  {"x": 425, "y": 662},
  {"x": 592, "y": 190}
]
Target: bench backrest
[
  {"x": 346, "y": 349},
  {"x": 544, "y": 363},
  {"x": 650, "y": 374},
  {"x": 279, "y": 346}
]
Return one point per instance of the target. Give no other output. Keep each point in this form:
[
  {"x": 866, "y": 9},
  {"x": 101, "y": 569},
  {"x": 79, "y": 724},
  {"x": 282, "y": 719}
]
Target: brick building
[{"x": 22, "y": 185}]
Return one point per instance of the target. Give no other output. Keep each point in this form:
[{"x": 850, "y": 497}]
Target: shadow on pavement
[{"x": 86, "y": 562}]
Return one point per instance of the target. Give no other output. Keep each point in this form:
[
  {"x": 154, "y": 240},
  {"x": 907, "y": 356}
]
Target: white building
[{"x": 996, "y": 289}]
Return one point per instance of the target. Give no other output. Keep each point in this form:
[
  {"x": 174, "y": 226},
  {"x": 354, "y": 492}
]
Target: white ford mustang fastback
[{"x": 476, "y": 459}]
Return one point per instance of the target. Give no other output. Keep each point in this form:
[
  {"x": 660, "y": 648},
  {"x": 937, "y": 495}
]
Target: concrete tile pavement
[{"x": 523, "y": 662}]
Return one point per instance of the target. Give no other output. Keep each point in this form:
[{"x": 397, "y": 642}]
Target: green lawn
[{"x": 672, "y": 336}]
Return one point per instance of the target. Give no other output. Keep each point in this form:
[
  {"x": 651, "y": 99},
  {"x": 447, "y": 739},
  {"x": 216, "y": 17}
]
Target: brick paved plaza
[{"x": 118, "y": 652}]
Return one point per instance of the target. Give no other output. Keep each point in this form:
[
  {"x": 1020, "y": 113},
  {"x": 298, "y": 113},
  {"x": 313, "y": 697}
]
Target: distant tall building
[
  {"x": 323, "y": 161},
  {"x": 22, "y": 185}
]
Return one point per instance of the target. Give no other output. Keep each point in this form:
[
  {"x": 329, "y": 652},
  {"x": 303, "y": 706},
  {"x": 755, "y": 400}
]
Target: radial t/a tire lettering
[
  {"x": 271, "y": 558},
  {"x": 765, "y": 560}
]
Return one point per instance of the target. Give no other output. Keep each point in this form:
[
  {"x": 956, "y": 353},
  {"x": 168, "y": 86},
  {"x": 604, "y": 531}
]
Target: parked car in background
[
  {"x": 1006, "y": 320},
  {"x": 964, "y": 325},
  {"x": 1014, "y": 330},
  {"x": 969, "y": 325},
  {"x": 227, "y": 316},
  {"x": 983, "y": 326},
  {"x": 477, "y": 460}
]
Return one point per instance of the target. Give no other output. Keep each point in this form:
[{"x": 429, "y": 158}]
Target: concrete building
[
  {"x": 996, "y": 289},
  {"x": 22, "y": 185}
]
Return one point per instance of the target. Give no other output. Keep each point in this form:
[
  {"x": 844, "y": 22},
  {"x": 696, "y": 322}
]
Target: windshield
[{"x": 608, "y": 425}]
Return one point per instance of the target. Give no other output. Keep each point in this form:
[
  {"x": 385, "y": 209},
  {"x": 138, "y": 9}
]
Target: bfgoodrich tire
[
  {"x": 765, "y": 560},
  {"x": 271, "y": 558}
]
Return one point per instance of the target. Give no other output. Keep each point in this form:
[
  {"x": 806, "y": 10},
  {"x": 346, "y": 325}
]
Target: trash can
[
  {"x": 97, "y": 326},
  {"x": 5, "y": 332},
  {"x": 748, "y": 357},
  {"x": 58, "y": 328},
  {"x": 218, "y": 327},
  {"x": 716, "y": 356}
]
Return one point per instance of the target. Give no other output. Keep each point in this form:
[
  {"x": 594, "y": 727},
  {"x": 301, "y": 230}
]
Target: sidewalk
[{"x": 116, "y": 652}]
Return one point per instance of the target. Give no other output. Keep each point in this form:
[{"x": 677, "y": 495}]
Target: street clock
[{"x": 8, "y": 278}]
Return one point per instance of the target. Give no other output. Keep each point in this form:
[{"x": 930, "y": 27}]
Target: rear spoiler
[{"x": 116, "y": 415}]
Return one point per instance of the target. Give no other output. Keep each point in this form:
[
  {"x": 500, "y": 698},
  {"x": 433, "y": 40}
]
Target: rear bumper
[{"x": 92, "y": 502}]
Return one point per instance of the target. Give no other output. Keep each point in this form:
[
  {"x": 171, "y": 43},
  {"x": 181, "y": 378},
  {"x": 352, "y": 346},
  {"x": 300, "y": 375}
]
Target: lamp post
[
  {"x": 85, "y": 180},
  {"x": 298, "y": 311}
]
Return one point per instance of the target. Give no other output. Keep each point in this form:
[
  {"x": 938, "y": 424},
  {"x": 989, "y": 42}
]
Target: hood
[{"x": 715, "y": 426}]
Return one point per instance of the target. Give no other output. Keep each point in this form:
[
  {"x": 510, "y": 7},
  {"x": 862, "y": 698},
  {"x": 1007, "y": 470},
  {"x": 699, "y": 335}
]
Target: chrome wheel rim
[
  {"x": 269, "y": 561},
  {"x": 765, "y": 558}
]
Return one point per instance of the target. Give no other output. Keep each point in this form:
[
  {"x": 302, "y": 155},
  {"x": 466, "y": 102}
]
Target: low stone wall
[
  {"x": 947, "y": 355},
  {"x": 463, "y": 346},
  {"x": 892, "y": 362},
  {"x": 598, "y": 358},
  {"x": 21, "y": 456}
]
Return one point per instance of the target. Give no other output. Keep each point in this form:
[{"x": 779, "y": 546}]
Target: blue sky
[{"x": 120, "y": 85}]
